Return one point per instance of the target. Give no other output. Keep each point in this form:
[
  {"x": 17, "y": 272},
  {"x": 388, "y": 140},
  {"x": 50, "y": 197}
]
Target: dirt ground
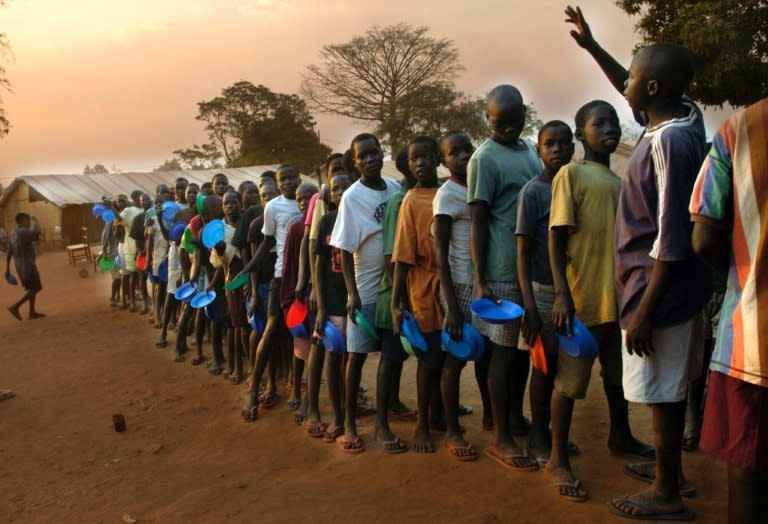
[{"x": 188, "y": 456}]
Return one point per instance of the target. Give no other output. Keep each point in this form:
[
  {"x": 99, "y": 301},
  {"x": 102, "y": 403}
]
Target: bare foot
[
  {"x": 651, "y": 504},
  {"x": 422, "y": 441},
  {"x": 15, "y": 312},
  {"x": 631, "y": 447},
  {"x": 34, "y": 315}
]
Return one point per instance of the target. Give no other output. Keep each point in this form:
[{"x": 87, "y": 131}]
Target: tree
[
  {"x": 251, "y": 124},
  {"x": 204, "y": 156},
  {"x": 170, "y": 165},
  {"x": 5, "y": 83},
  {"x": 97, "y": 169},
  {"x": 728, "y": 39},
  {"x": 387, "y": 77}
]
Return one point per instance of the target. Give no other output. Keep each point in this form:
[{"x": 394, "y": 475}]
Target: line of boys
[{"x": 563, "y": 238}]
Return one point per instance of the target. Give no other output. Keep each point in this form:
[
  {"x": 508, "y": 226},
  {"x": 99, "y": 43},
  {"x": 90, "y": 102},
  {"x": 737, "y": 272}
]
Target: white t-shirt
[
  {"x": 279, "y": 214},
  {"x": 358, "y": 230},
  {"x": 159, "y": 245},
  {"x": 451, "y": 200}
]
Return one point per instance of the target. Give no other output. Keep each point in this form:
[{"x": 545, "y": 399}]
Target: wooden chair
[{"x": 82, "y": 251}]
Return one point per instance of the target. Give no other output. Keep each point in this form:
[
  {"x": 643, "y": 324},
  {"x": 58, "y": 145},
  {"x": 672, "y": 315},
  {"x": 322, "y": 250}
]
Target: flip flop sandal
[
  {"x": 250, "y": 414},
  {"x": 465, "y": 410},
  {"x": 651, "y": 512},
  {"x": 317, "y": 430},
  {"x": 5, "y": 394},
  {"x": 408, "y": 414},
  {"x": 353, "y": 447},
  {"x": 393, "y": 447},
  {"x": 576, "y": 485},
  {"x": 455, "y": 452},
  {"x": 269, "y": 400},
  {"x": 331, "y": 434},
  {"x": 198, "y": 360},
  {"x": 508, "y": 461},
  {"x": 644, "y": 472}
]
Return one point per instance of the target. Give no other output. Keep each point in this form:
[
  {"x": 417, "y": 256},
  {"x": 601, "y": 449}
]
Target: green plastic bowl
[
  {"x": 107, "y": 264},
  {"x": 365, "y": 326}
]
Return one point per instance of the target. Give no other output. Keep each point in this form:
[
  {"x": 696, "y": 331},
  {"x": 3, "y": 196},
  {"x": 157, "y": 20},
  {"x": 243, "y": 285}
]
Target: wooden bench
[{"x": 82, "y": 251}]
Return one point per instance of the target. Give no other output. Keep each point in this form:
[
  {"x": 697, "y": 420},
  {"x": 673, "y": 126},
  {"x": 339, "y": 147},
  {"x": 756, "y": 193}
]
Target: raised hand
[{"x": 582, "y": 34}]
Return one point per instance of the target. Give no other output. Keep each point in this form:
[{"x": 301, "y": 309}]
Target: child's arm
[
  {"x": 8, "y": 256},
  {"x": 562, "y": 308},
  {"x": 319, "y": 291},
  {"x": 454, "y": 320},
  {"x": 583, "y": 36},
  {"x": 531, "y": 325},
  {"x": 479, "y": 248},
  {"x": 638, "y": 339},
  {"x": 353, "y": 296},
  {"x": 399, "y": 289},
  {"x": 264, "y": 246},
  {"x": 710, "y": 244},
  {"x": 304, "y": 273}
]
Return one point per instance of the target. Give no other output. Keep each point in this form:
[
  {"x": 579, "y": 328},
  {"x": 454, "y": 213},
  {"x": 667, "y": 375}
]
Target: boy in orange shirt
[{"x": 416, "y": 272}]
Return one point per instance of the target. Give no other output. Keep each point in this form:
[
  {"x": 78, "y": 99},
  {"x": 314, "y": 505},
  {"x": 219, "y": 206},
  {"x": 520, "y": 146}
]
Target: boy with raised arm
[
  {"x": 21, "y": 248},
  {"x": 662, "y": 285},
  {"x": 497, "y": 171}
]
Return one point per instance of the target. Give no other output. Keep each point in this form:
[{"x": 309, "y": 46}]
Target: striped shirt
[
  {"x": 732, "y": 192},
  {"x": 653, "y": 223}
]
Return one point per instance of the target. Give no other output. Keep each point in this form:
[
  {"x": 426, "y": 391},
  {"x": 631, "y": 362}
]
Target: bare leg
[
  {"x": 481, "y": 377},
  {"x": 336, "y": 387},
  {"x": 747, "y": 503},
  {"x": 450, "y": 384},
  {"x": 422, "y": 440},
  {"x": 541, "y": 399},
  {"x": 314, "y": 376},
  {"x": 386, "y": 375},
  {"x": 218, "y": 350},
  {"x": 520, "y": 366},
  {"x": 354, "y": 370}
]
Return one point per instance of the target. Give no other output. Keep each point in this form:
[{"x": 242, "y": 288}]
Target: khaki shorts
[{"x": 573, "y": 373}]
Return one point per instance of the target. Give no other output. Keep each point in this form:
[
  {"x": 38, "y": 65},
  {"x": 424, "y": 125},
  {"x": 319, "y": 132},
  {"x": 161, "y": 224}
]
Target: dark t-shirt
[
  {"x": 240, "y": 239},
  {"x": 653, "y": 222},
  {"x": 533, "y": 205},
  {"x": 23, "y": 250},
  {"x": 291, "y": 264},
  {"x": 266, "y": 270},
  {"x": 335, "y": 296},
  {"x": 137, "y": 231}
]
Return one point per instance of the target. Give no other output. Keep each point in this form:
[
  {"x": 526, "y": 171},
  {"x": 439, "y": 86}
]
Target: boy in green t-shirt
[{"x": 497, "y": 171}]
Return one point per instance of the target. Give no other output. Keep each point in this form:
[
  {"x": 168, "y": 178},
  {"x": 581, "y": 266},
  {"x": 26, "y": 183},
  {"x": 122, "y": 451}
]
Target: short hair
[
  {"x": 349, "y": 164},
  {"x": 136, "y": 193},
  {"x": 206, "y": 186},
  {"x": 193, "y": 184},
  {"x": 220, "y": 174},
  {"x": 234, "y": 192},
  {"x": 428, "y": 140},
  {"x": 21, "y": 217},
  {"x": 307, "y": 186},
  {"x": 670, "y": 64},
  {"x": 401, "y": 163},
  {"x": 364, "y": 136},
  {"x": 330, "y": 159},
  {"x": 554, "y": 124},
  {"x": 583, "y": 113},
  {"x": 505, "y": 95},
  {"x": 268, "y": 174},
  {"x": 284, "y": 167},
  {"x": 181, "y": 180}
]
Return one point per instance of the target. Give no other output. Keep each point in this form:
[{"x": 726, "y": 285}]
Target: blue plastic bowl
[
  {"x": 213, "y": 313},
  {"x": 186, "y": 292},
  {"x": 213, "y": 233},
  {"x": 494, "y": 313},
  {"x": 162, "y": 271},
  {"x": 471, "y": 347},
  {"x": 333, "y": 340},
  {"x": 108, "y": 216},
  {"x": 299, "y": 331},
  {"x": 411, "y": 331},
  {"x": 169, "y": 210},
  {"x": 202, "y": 299},
  {"x": 581, "y": 344},
  {"x": 151, "y": 277},
  {"x": 98, "y": 209},
  {"x": 118, "y": 262},
  {"x": 12, "y": 280},
  {"x": 177, "y": 229}
]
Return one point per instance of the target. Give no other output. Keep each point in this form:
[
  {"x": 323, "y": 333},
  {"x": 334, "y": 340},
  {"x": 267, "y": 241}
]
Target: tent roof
[{"x": 64, "y": 190}]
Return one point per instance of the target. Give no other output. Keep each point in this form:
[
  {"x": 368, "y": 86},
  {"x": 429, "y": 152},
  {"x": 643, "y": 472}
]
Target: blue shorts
[{"x": 357, "y": 340}]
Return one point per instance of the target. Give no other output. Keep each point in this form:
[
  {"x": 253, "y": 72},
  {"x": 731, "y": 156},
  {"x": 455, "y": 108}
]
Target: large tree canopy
[
  {"x": 728, "y": 38},
  {"x": 250, "y": 124},
  {"x": 391, "y": 77}
]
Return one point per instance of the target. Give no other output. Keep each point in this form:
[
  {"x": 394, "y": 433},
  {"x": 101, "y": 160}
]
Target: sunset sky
[{"x": 116, "y": 82}]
